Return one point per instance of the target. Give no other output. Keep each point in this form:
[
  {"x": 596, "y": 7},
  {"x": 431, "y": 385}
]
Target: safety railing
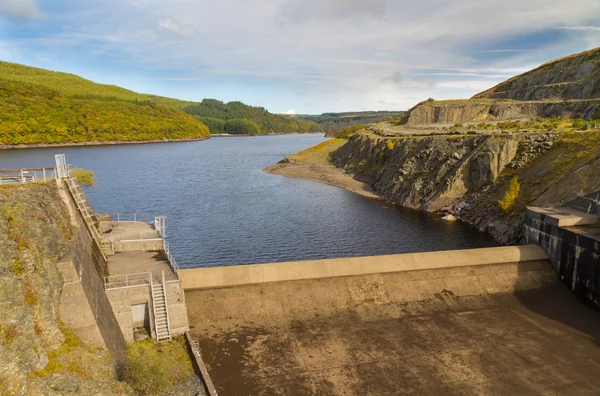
[
  {"x": 26, "y": 175},
  {"x": 171, "y": 260},
  {"x": 127, "y": 280},
  {"x": 128, "y": 217}
]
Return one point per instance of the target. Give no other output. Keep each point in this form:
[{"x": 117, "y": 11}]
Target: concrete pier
[{"x": 483, "y": 321}]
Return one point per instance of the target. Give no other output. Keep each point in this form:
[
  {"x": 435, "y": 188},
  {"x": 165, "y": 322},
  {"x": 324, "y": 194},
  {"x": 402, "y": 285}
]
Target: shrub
[
  {"x": 84, "y": 177},
  {"x": 389, "y": 144},
  {"x": 10, "y": 332},
  {"x": 152, "y": 368},
  {"x": 510, "y": 197}
]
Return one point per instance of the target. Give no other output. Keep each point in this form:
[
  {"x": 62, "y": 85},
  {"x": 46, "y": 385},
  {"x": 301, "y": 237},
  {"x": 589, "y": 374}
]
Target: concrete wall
[
  {"x": 121, "y": 301},
  {"x": 88, "y": 264},
  {"x": 137, "y": 246},
  {"x": 199, "y": 278},
  {"x": 365, "y": 297},
  {"x": 574, "y": 255}
]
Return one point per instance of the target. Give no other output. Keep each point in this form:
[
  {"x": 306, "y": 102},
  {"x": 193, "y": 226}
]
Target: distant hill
[
  {"x": 239, "y": 118},
  {"x": 219, "y": 117},
  {"x": 336, "y": 121},
  {"x": 568, "y": 87},
  {"x": 41, "y": 106},
  {"x": 573, "y": 77}
]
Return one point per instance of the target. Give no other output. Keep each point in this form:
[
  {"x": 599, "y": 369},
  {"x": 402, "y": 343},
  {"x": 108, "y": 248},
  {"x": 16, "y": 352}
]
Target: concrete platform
[
  {"x": 565, "y": 217},
  {"x": 488, "y": 329},
  {"x": 140, "y": 262}
]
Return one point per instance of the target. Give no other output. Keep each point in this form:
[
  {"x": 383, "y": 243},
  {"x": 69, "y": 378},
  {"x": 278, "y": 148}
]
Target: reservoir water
[{"x": 222, "y": 209}]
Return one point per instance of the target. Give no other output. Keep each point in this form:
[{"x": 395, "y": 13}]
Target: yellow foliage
[
  {"x": 511, "y": 195},
  {"x": 389, "y": 144},
  {"x": 84, "y": 177}
]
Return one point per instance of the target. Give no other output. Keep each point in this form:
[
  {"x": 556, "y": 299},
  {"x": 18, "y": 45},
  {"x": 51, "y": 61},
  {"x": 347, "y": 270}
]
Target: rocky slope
[
  {"x": 39, "y": 354},
  {"x": 566, "y": 87},
  {"x": 573, "y": 77},
  {"x": 468, "y": 174}
]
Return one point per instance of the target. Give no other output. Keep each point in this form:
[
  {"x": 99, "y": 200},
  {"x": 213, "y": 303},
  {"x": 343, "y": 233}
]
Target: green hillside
[
  {"x": 233, "y": 117},
  {"x": 330, "y": 122},
  {"x": 33, "y": 113},
  {"x": 239, "y": 118}
]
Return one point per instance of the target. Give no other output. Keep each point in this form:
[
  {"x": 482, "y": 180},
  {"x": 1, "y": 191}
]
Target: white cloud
[
  {"x": 172, "y": 26},
  {"x": 20, "y": 9},
  {"x": 581, "y": 28}
]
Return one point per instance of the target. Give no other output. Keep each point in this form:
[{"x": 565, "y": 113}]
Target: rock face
[
  {"x": 573, "y": 77},
  {"x": 490, "y": 110},
  {"x": 427, "y": 173},
  {"x": 566, "y": 87},
  {"x": 466, "y": 176},
  {"x": 34, "y": 232}
]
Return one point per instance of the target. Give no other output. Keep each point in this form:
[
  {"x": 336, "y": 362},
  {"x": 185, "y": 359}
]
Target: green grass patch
[
  {"x": 153, "y": 368},
  {"x": 319, "y": 154}
]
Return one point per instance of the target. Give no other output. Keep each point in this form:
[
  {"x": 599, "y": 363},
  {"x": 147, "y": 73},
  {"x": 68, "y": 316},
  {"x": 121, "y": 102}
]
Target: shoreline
[
  {"x": 94, "y": 143},
  {"x": 325, "y": 174}
]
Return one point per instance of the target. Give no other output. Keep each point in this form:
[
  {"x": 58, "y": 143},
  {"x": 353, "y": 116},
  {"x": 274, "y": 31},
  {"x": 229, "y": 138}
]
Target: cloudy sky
[{"x": 307, "y": 56}]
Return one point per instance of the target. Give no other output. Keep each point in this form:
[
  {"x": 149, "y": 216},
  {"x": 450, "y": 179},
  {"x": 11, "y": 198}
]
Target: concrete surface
[
  {"x": 564, "y": 217},
  {"x": 313, "y": 269},
  {"x": 138, "y": 262},
  {"x": 130, "y": 236},
  {"x": 492, "y": 329}
]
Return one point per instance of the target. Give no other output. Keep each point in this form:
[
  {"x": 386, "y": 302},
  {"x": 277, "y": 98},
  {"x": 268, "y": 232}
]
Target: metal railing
[
  {"x": 130, "y": 217},
  {"x": 170, "y": 259},
  {"x": 127, "y": 280},
  {"x": 26, "y": 175}
]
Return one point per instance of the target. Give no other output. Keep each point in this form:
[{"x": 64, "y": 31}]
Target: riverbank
[
  {"x": 313, "y": 164},
  {"x": 326, "y": 174},
  {"x": 94, "y": 143}
]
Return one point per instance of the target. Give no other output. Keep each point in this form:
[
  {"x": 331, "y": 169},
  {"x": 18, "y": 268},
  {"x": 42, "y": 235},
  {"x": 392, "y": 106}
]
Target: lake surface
[{"x": 222, "y": 209}]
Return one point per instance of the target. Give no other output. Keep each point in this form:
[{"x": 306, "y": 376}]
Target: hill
[
  {"x": 239, "y": 118},
  {"x": 332, "y": 122},
  {"x": 232, "y": 117},
  {"x": 568, "y": 87},
  {"x": 573, "y": 77},
  {"x": 31, "y": 114}
]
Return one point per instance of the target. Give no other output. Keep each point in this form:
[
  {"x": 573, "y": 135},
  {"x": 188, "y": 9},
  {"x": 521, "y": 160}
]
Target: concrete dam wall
[{"x": 429, "y": 323}]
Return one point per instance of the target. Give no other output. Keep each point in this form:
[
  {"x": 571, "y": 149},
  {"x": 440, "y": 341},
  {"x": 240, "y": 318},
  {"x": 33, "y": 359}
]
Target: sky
[{"x": 298, "y": 56}]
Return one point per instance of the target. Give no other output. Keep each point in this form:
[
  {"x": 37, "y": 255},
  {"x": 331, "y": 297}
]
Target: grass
[
  {"x": 153, "y": 368},
  {"x": 56, "y": 361},
  {"x": 319, "y": 154},
  {"x": 29, "y": 293},
  {"x": 9, "y": 332},
  {"x": 511, "y": 195}
]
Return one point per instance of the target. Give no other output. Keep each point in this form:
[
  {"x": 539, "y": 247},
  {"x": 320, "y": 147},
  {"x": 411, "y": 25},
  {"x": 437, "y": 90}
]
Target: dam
[
  {"x": 476, "y": 321},
  {"x": 480, "y": 321}
]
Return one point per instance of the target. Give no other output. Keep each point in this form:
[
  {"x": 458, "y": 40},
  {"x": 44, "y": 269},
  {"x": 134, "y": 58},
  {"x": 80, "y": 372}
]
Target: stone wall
[
  {"x": 574, "y": 255},
  {"x": 86, "y": 259}
]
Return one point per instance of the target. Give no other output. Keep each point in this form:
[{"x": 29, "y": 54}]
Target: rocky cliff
[
  {"x": 38, "y": 353},
  {"x": 489, "y": 110},
  {"x": 566, "y": 87},
  {"x": 467, "y": 175}
]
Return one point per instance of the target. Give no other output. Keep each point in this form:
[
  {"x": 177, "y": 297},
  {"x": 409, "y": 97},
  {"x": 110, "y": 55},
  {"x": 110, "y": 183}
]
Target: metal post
[
  {"x": 22, "y": 177},
  {"x": 126, "y": 280},
  {"x": 135, "y": 217},
  {"x": 118, "y": 217},
  {"x": 44, "y": 173}
]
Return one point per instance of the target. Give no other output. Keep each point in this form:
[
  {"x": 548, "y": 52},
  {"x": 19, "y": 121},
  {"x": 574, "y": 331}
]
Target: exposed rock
[{"x": 63, "y": 383}]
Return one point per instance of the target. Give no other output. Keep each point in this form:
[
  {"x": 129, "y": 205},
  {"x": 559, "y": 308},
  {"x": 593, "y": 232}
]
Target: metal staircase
[{"x": 162, "y": 327}]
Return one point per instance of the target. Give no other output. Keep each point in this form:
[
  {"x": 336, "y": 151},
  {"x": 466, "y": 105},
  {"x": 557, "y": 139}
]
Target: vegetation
[
  {"x": 510, "y": 197},
  {"x": 337, "y": 121},
  {"x": 35, "y": 114},
  {"x": 84, "y": 177},
  {"x": 389, "y": 144},
  {"x": 152, "y": 368},
  {"x": 239, "y": 118},
  {"x": 319, "y": 154},
  {"x": 346, "y": 132},
  {"x": 9, "y": 332}
]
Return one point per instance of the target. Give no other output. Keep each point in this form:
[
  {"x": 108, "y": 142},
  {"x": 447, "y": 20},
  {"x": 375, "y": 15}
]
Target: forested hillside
[
  {"x": 232, "y": 118},
  {"x": 239, "y": 118},
  {"x": 36, "y": 114},
  {"x": 336, "y": 121}
]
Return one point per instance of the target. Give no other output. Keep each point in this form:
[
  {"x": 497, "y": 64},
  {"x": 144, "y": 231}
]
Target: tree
[{"x": 84, "y": 177}]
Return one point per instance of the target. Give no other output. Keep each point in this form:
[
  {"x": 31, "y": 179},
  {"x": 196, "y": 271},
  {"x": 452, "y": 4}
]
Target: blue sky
[{"x": 307, "y": 56}]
